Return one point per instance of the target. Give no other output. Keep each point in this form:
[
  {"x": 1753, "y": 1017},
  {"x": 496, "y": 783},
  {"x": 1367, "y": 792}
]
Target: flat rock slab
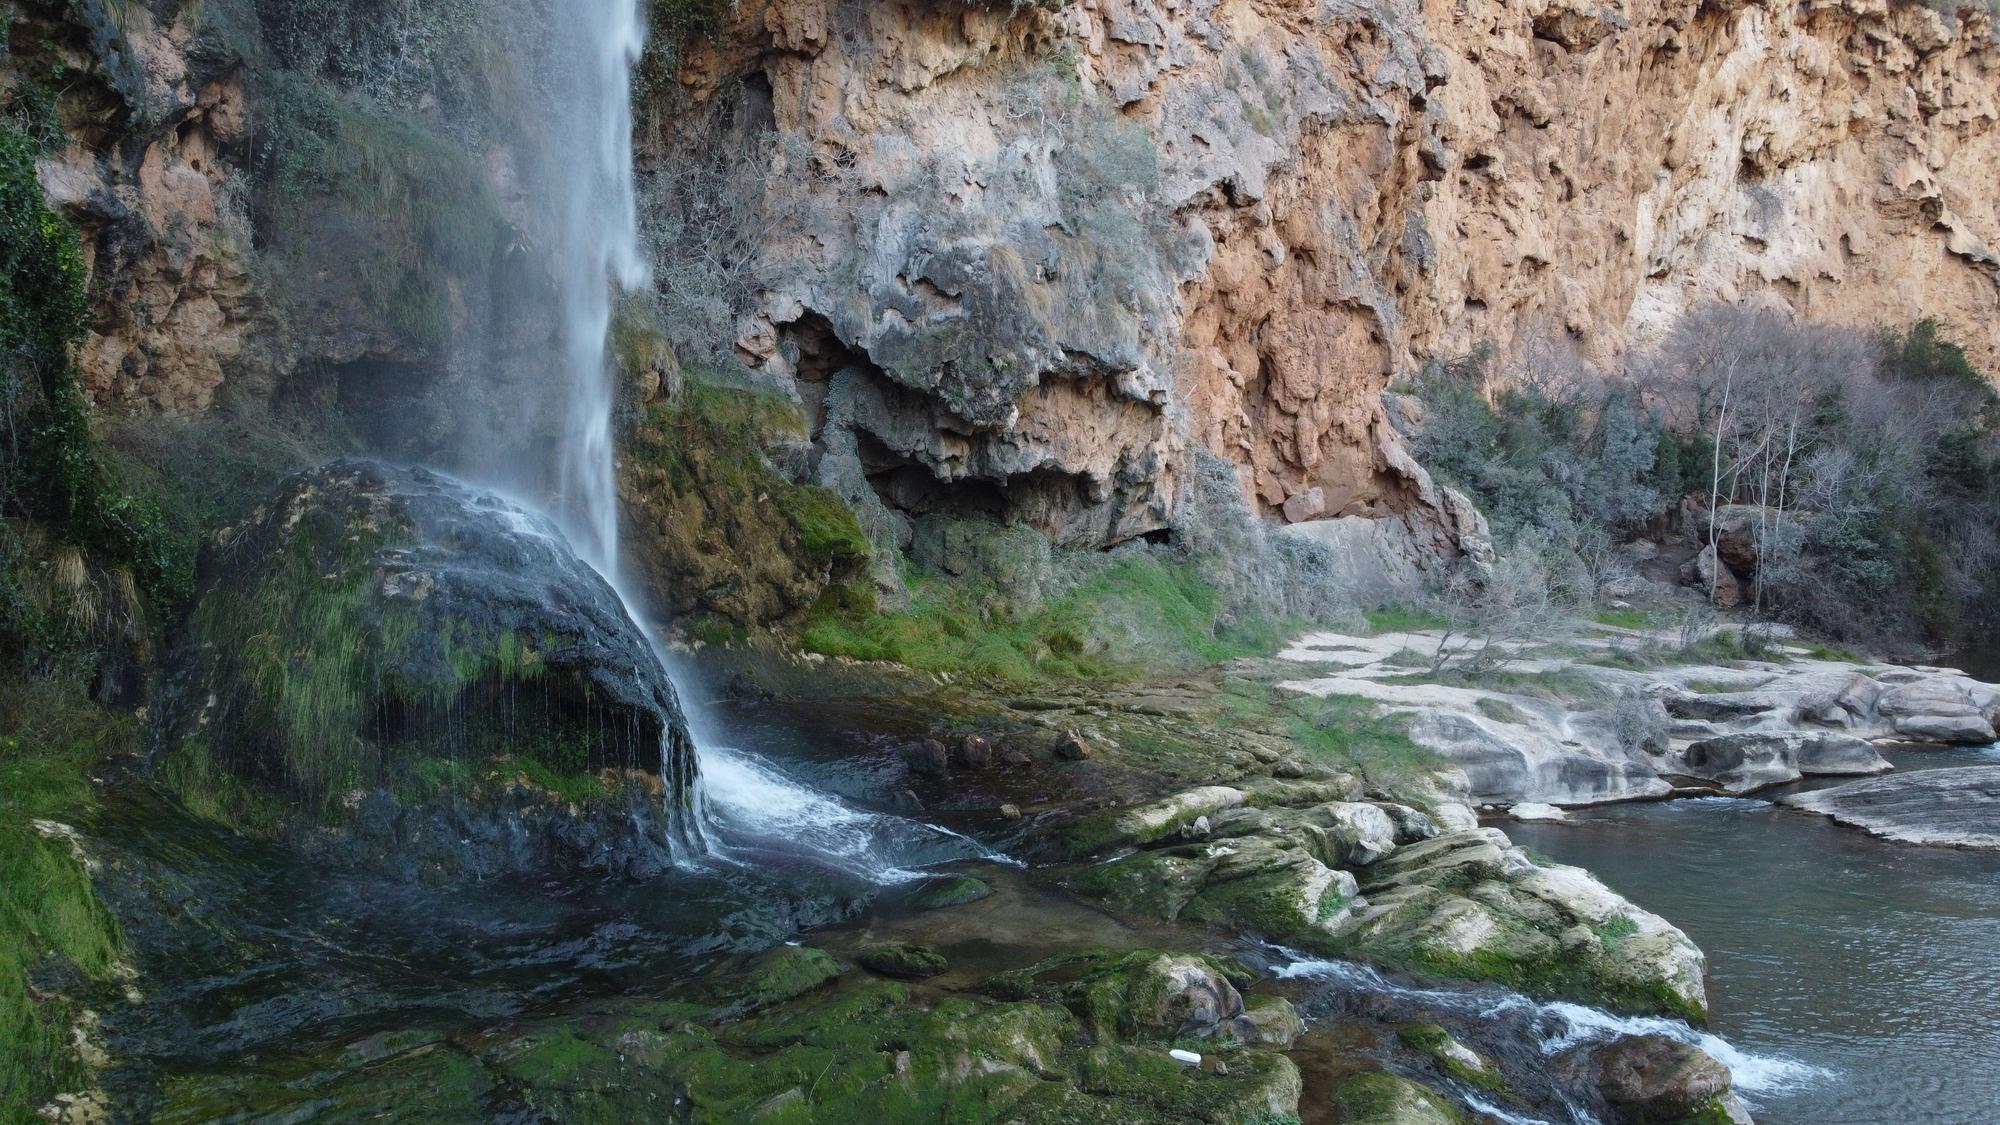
[{"x": 1957, "y": 807}]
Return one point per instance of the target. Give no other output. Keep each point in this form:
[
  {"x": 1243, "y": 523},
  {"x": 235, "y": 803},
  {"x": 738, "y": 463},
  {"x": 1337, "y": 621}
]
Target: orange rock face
[{"x": 1334, "y": 192}]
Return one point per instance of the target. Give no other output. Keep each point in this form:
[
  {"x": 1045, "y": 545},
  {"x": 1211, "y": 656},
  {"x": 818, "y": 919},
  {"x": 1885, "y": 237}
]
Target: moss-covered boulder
[
  {"x": 1270, "y": 883},
  {"x": 949, "y": 890},
  {"x": 910, "y": 962},
  {"x": 1470, "y": 905},
  {"x": 373, "y": 641},
  {"x": 1654, "y": 1080},
  {"x": 1381, "y": 1098},
  {"x": 781, "y": 973}
]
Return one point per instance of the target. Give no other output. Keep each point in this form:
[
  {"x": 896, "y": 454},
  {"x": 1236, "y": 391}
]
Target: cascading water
[{"x": 1548, "y": 1028}]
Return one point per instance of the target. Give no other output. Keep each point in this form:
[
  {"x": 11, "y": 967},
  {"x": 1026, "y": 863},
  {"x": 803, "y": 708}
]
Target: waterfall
[
  {"x": 740, "y": 805},
  {"x": 599, "y": 227}
]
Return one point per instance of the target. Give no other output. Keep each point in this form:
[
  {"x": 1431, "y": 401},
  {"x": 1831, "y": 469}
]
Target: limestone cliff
[
  {"x": 1054, "y": 250},
  {"x": 1024, "y": 260}
]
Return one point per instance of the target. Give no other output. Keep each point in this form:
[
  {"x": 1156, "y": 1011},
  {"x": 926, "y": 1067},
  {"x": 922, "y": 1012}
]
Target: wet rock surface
[
  {"x": 1648, "y": 1080},
  {"x": 1952, "y": 807}
]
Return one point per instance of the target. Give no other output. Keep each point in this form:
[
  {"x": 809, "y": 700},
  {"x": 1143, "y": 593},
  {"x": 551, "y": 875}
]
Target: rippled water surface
[{"x": 1878, "y": 962}]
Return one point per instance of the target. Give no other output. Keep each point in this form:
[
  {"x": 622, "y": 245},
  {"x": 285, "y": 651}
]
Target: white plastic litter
[{"x": 1185, "y": 1058}]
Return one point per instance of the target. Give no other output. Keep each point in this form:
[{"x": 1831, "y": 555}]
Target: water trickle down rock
[{"x": 431, "y": 672}]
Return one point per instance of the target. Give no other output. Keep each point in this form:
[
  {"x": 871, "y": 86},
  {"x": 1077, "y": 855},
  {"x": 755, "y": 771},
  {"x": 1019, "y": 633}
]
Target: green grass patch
[
  {"x": 48, "y": 911},
  {"x": 1828, "y": 652},
  {"x": 1136, "y": 616},
  {"x": 1612, "y": 934},
  {"x": 1630, "y": 660},
  {"x": 1401, "y": 620},
  {"x": 1712, "y": 687},
  {"x": 1499, "y": 710},
  {"x": 1350, "y": 732},
  {"x": 1559, "y": 685},
  {"x": 1624, "y": 618}
]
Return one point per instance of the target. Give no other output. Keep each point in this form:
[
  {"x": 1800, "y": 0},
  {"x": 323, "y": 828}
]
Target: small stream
[{"x": 1876, "y": 963}]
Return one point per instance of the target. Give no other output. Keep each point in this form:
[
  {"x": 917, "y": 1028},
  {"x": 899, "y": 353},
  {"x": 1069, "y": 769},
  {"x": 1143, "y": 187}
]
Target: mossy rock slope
[{"x": 377, "y": 636}]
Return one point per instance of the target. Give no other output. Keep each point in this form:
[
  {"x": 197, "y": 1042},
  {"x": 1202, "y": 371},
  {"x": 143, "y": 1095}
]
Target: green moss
[
  {"x": 1829, "y": 652},
  {"x": 324, "y": 687},
  {"x": 49, "y": 914},
  {"x": 1549, "y": 976},
  {"x": 51, "y": 467},
  {"x": 1612, "y": 934},
  {"x": 1437, "y": 1043},
  {"x": 951, "y": 890},
  {"x": 292, "y": 644},
  {"x": 910, "y": 962},
  {"x": 733, "y": 537},
  {"x": 783, "y": 973},
  {"x": 1381, "y": 1098}
]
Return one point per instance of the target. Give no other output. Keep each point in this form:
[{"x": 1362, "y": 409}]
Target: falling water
[{"x": 599, "y": 222}]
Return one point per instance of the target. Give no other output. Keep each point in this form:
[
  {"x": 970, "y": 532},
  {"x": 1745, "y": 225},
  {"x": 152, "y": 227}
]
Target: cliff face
[
  {"x": 1056, "y": 250},
  {"x": 1023, "y": 261},
  {"x": 147, "y": 179}
]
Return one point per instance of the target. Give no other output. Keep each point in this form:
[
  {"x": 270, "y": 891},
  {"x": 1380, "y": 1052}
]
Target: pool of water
[{"x": 1877, "y": 964}]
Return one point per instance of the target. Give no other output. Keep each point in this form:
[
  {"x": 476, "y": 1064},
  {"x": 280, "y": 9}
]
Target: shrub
[
  {"x": 52, "y": 470},
  {"x": 1873, "y": 464}
]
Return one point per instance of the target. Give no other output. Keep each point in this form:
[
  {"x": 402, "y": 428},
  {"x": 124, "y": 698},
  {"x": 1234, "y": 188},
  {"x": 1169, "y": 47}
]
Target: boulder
[
  {"x": 1739, "y": 529},
  {"x": 928, "y": 758},
  {"x": 1151, "y": 995},
  {"x": 1702, "y": 573},
  {"x": 1307, "y": 505},
  {"x": 372, "y": 641},
  {"x": 1271, "y": 883},
  {"x": 1470, "y": 905},
  {"x": 1935, "y": 709},
  {"x": 1269, "y": 1021},
  {"x": 949, "y": 890},
  {"x": 1346, "y": 833},
  {"x": 1454, "y": 1059},
  {"x": 1149, "y": 822},
  {"x": 1654, "y": 1080},
  {"x": 1381, "y": 1098}
]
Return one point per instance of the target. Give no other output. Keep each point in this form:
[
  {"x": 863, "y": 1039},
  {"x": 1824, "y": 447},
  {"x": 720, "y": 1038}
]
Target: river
[{"x": 1876, "y": 963}]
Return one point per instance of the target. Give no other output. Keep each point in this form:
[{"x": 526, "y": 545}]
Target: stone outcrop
[
  {"x": 1953, "y": 807},
  {"x": 1752, "y": 760},
  {"x": 1033, "y": 254},
  {"x": 1604, "y": 730},
  {"x": 1381, "y": 883}
]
